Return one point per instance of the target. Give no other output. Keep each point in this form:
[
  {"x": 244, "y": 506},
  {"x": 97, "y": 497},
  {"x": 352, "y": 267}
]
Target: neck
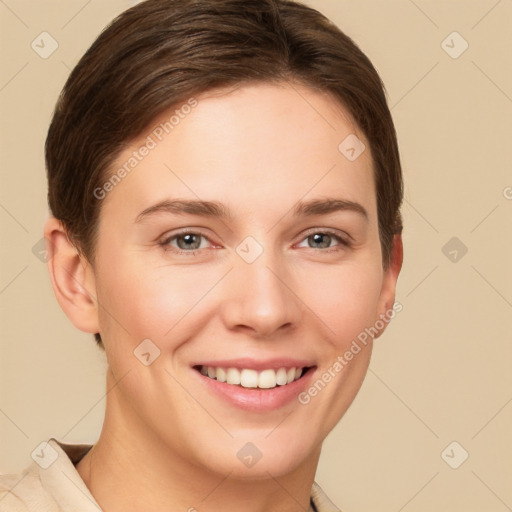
[{"x": 130, "y": 468}]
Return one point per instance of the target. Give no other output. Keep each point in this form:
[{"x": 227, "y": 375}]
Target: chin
[{"x": 258, "y": 457}]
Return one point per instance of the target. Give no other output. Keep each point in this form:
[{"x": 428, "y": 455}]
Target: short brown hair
[{"x": 161, "y": 52}]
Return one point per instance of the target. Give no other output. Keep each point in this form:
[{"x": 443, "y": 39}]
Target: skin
[{"x": 167, "y": 442}]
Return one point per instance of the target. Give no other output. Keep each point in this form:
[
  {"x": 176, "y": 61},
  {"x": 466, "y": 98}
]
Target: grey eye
[
  {"x": 321, "y": 239},
  {"x": 189, "y": 241}
]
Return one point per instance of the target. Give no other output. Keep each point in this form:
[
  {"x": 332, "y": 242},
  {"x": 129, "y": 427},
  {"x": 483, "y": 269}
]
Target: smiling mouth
[{"x": 249, "y": 378}]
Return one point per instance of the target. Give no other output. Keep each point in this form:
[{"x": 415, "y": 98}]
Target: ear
[
  {"x": 72, "y": 278},
  {"x": 387, "y": 296}
]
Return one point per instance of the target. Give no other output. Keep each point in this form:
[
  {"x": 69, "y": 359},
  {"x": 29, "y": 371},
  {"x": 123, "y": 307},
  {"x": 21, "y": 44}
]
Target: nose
[{"x": 259, "y": 297}]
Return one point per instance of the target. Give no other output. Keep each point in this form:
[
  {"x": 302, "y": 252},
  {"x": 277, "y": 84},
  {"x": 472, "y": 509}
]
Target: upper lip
[{"x": 257, "y": 364}]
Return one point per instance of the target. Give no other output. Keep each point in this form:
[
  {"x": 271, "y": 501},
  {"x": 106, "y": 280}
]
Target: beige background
[{"x": 441, "y": 373}]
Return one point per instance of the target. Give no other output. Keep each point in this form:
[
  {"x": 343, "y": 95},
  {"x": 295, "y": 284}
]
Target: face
[{"x": 242, "y": 244}]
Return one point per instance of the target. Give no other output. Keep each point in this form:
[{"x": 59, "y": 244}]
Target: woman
[{"x": 225, "y": 184}]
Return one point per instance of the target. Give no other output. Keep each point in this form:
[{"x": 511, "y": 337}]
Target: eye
[
  {"x": 185, "y": 242},
  {"x": 323, "y": 240}
]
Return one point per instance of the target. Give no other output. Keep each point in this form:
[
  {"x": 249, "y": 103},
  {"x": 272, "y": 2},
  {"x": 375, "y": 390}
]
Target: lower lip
[{"x": 256, "y": 399}]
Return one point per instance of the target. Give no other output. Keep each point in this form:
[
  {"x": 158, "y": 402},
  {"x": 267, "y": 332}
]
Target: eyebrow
[
  {"x": 186, "y": 206},
  {"x": 326, "y": 206},
  {"x": 219, "y": 210}
]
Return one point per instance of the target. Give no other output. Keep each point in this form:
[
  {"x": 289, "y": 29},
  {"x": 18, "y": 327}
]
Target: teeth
[
  {"x": 267, "y": 379},
  {"x": 248, "y": 378},
  {"x": 233, "y": 376},
  {"x": 281, "y": 377},
  {"x": 221, "y": 375}
]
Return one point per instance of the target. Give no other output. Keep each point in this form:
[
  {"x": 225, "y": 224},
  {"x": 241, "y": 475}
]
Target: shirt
[{"x": 52, "y": 484}]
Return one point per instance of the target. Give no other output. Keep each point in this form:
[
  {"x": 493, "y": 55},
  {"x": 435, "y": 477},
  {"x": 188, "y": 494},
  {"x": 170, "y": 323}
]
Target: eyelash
[{"x": 343, "y": 243}]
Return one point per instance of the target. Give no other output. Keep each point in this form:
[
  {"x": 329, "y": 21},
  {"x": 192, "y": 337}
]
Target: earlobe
[
  {"x": 72, "y": 278},
  {"x": 387, "y": 298}
]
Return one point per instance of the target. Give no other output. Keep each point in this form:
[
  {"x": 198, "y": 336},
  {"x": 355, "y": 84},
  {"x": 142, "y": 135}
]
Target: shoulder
[
  {"x": 49, "y": 484},
  {"x": 24, "y": 492},
  {"x": 321, "y": 501}
]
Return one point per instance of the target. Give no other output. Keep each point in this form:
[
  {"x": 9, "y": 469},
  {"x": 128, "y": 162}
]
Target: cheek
[
  {"x": 345, "y": 298},
  {"x": 143, "y": 299}
]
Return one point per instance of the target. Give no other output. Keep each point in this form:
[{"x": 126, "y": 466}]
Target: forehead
[{"x": 252, "y": 145}]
